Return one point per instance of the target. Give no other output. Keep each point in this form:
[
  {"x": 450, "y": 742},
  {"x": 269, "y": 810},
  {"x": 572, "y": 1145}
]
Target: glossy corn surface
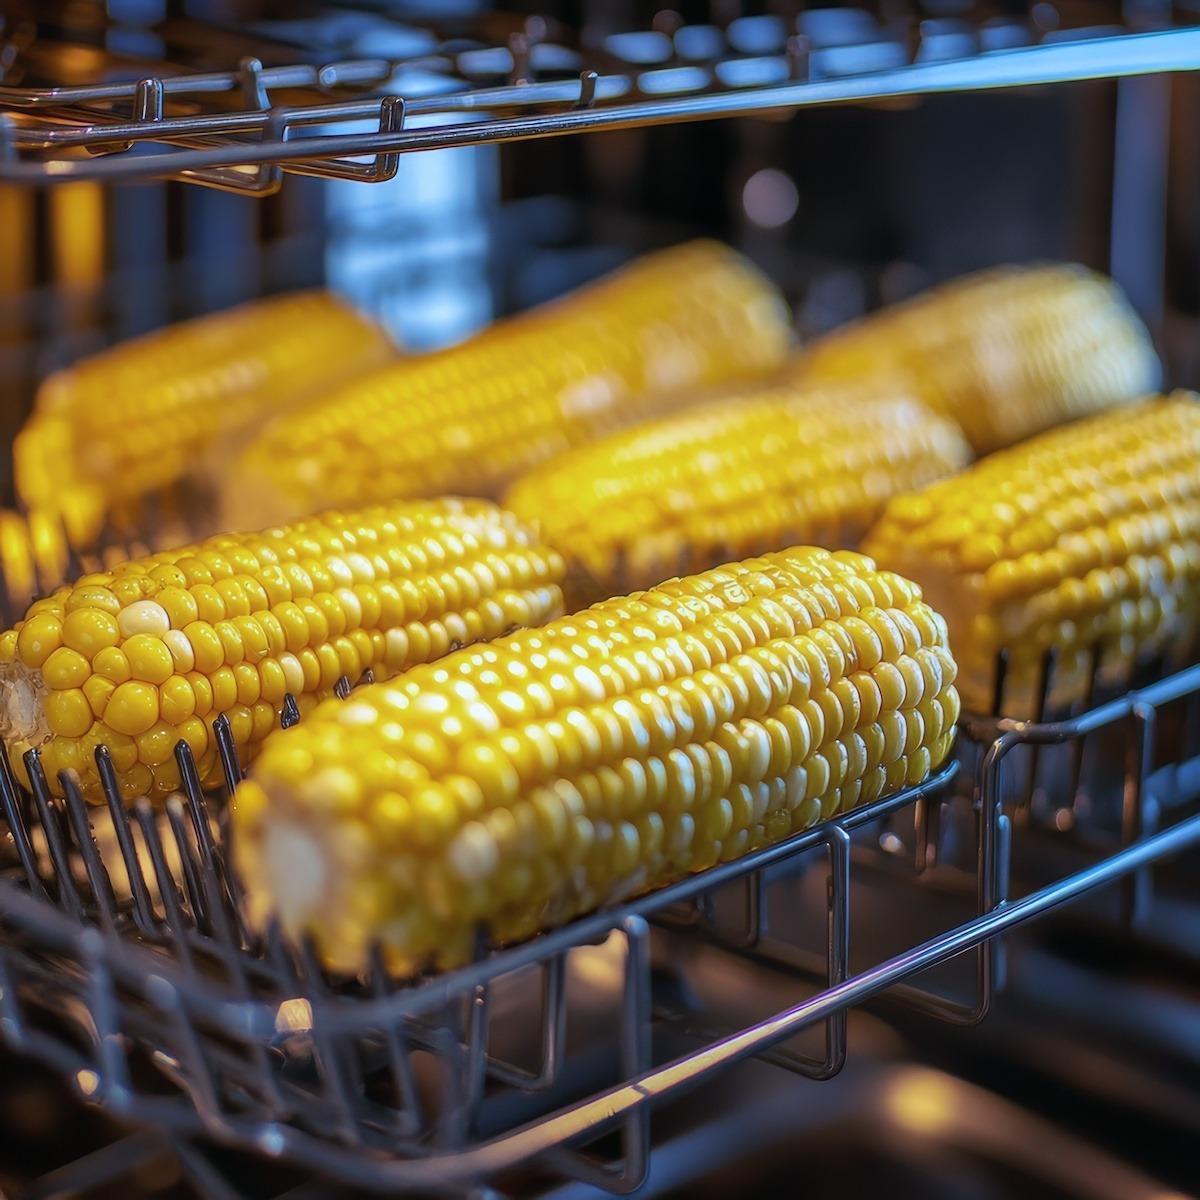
[
  {"x": 152, "y": 652},
  {"x": 753, "y": 471},
  {"x": 1005, "y": 353},
  {"x": 143, "y": 415},
  {"x": 1084, "y": 539},
  {"x": 518, "y": 784},
  {"x": 469, "y": 419}
]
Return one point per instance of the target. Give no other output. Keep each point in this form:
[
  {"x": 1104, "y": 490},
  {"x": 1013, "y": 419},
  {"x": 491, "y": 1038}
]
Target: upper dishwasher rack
[{"x": 230, "y": 129}]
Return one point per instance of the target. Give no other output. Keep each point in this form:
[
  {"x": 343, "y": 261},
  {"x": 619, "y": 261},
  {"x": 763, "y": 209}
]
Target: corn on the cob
[
  {"x": 1005, "y": 353},
  {"x": 753, "y": 471},
  {"x": 521, "y": 783},
  {"x": 153, "y": 652},
  {"x": 1087, "y": 537},
  {"x": 468, "y": 420},
  {"x": 142, "y": 415}
]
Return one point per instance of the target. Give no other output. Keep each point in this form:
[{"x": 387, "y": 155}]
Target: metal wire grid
[
  {"x": 242, "y": 139},
  {"x": 125, "y": 964}
]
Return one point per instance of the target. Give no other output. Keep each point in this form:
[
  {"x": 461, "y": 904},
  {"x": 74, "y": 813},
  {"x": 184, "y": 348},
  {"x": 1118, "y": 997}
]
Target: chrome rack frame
[
  {"x": 123, "y": 957},
  {"x": 125, "y": 130}
]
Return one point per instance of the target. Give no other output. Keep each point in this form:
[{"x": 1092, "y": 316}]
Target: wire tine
[
  {"x": 104, "y": 1010},
  {"x": 445, "y": 1045},
  {"x": 587, "y": 89},
  {"x": 999, "y": 680},
  {"x": 167, "y": 886},
  {"x": 838, "y": 962},
  {"x": 409, "y": 1113},
  {"x": 921, "y": 828},
  {"x": 8, "y": 779},
  {"x": 341, "y": 689},
  {"x": 478, "y": 1019},
  {"x": 97, "y": 873},
  {"x": 291, "y": 712},
  {"x": 13, "y": 802},
  {"x": 249, "y": 77},
  {"x": 1046, "y": 670},
  {"x": 48, "y": 817},
  {"x": 1079, "y": 744},
  {"x": 192, "y": 887},
  {"x": 798, "y": 57},
  {"x": 220, "y": 883},
  {"x": 193, "y": 794},
  {"x": 202, "y": 1089},
  {"x": 227, "y": 934},
  {"x": 391, "y": 120},
  {"x": 1136, "y": 818},
  {"x": 148, "y": 99},
  {"x": 143, "y": 909},
  {"x": 554, "y": 1002},
  {"x": 227, "y": 752},
  {"x": 635, "y": 1047},
  {"x": 222, "y": 917},
  {"x": 338, "y": 1071},
  {"x": 1045, "y": 682}
]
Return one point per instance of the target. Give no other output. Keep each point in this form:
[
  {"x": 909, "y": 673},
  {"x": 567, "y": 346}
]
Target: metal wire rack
[
  {"x": 125, "y": 964},
  {"x": 229, "y": 129}
]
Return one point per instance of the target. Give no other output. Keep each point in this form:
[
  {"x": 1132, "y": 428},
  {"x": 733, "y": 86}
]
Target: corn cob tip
[
  {"x": 22, "y": 706},
  {"x": 519, "y": 784}
]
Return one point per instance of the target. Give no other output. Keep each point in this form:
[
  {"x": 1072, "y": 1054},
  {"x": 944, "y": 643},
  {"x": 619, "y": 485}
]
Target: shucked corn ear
[
  {"x": 141, "y": 416},
  {"x": 1004, "y": 353},
  {"x": 152, "y": 652},
  {"x": 756, "y": 470},
  {"x": 1082, "y": 538},
  {"x": 469, "y": 419},
  {"x": 518, "y": 784}
]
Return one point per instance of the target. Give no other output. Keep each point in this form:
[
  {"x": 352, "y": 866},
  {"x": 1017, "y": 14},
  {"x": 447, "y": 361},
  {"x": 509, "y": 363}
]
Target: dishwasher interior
[{"x": 984, "y": 987}]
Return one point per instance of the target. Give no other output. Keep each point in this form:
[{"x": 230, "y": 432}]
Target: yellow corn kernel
[
  {"x": 1004, "y": 353},
  {"x": 469, "y": 419},
  {"x": 754, "y": 471},
  {"x": 1094, "y": 544},
  {"x": 73, "y": 675},
  {"x": 496, "y": 790}
]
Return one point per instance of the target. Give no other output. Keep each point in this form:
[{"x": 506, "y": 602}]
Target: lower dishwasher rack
[{"x": 125, "y": 964}]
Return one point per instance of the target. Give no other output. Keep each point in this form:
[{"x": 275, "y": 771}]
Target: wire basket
[{"x": 125, "y": 963}]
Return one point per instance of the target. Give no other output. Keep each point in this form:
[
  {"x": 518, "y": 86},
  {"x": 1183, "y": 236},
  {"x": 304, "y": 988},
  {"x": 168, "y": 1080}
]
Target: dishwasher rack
[
  {"x": 124, "y": 961},
  {"x": 125, "y": 965},
  {"x": 231, "y": 129}
]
